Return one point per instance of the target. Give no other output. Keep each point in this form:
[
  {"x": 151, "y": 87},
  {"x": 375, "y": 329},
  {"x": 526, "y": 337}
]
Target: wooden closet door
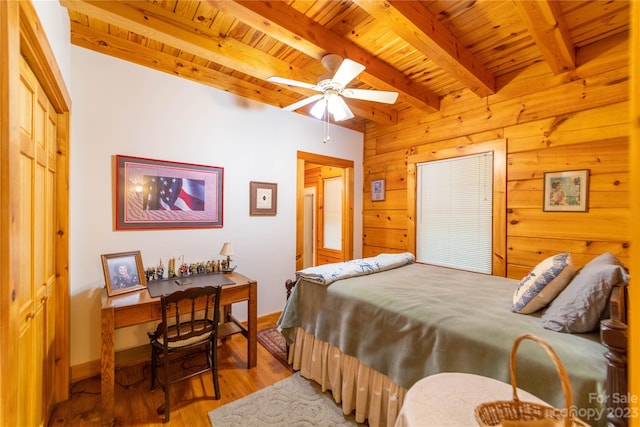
[{"x": 36, "y": 290}]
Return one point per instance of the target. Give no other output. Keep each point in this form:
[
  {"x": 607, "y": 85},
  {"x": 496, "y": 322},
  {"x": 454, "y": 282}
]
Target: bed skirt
[{"x": 361, "y": 390}]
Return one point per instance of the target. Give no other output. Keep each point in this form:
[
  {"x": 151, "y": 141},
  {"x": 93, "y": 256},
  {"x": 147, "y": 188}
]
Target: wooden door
[
  {"x": 37, "y": 170},
  {"x": 34, "y": 201}
]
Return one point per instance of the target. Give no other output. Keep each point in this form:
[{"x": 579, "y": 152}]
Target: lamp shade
[{"x": 227, "y": 249}]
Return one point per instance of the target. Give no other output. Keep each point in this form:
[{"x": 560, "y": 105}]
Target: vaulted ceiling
[{"x": 423, "y": 50}]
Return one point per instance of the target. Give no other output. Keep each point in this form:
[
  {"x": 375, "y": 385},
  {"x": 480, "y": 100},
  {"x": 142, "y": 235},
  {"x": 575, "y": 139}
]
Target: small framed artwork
[
  {"x": 566, "y": 191},
  {"x": 159, "y": 194},
  {"x": 263, "y": 198},
  {"x": 377, "y": 190},
  {"x": 123, "y": 272}
]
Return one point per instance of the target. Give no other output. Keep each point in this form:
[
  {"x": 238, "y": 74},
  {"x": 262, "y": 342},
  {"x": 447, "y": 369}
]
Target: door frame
[{"x": 347, "y": 206}]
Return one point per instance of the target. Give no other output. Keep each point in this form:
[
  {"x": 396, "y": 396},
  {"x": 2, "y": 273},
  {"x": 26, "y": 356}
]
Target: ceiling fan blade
[
  {"x": 302, "y": 102},
  {"x": 371, "y": 95},
  {"x": 347, "y": 71},
  {"x": 290, "y": 82}
]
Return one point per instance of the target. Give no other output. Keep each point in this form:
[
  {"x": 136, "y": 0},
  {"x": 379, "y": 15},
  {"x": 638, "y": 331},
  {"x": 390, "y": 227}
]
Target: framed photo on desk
[{"x": 123, "y": 272}]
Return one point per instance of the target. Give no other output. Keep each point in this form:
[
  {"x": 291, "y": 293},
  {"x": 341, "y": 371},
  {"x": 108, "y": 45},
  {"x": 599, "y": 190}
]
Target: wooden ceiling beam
[
  {"x": 418, "y": 27},
  {"x": 549, "y": 30},
  {"x": 116, "y": 47},
  {"x": 159, "y": 24},
  {"x": 264, "y": 24},
  {"x": 295, "y": 29},
  {"x": 153, "y": 22},
  {"x": 129, "y": 51}
]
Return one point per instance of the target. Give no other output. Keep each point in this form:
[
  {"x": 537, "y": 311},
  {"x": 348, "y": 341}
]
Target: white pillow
[{"x": 543, "y": 283}]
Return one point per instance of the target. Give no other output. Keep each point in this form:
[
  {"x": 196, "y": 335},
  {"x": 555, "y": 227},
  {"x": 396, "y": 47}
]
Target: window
[
  {"x": 454, "y": 212},
  {"x": 333, "y": 213}
]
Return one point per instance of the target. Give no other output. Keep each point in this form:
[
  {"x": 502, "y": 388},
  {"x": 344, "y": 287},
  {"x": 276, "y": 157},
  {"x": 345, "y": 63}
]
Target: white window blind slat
[{"x": 454, "y": 212}]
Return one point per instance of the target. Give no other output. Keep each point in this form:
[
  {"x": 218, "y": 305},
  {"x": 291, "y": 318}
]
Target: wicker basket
[{"x": 518, "y": 413}]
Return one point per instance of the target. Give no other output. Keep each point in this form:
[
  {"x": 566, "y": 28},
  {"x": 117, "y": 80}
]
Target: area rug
[
  {"x": 274, "y": 342},
  {"x": 294, "y": 401}
]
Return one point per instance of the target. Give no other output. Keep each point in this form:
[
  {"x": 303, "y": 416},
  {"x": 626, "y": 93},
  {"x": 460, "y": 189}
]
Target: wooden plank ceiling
[{"x": 423, "y": 50}]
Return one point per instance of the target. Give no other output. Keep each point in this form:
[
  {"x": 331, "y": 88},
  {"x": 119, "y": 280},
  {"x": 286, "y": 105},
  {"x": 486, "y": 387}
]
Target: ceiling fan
[{"x": 333, "y": 87}]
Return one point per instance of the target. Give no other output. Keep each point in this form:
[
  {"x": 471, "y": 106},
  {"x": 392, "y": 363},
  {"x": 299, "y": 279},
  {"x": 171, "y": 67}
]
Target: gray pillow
[
  {"x": 579, "y": 307},
  {"x": 605, "y": 258}
]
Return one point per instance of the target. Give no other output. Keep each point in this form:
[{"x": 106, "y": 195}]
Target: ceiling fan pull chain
[{"x": 327, "y": 138}]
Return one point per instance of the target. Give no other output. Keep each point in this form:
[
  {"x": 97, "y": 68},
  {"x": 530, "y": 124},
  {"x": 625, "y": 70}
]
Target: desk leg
[
  {"x": 107, "y": 379},
  {"x": 252, "y": 323}
]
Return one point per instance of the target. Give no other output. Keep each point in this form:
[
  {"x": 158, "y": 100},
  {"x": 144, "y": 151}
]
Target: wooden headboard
[{"x": 613, "y": 335}]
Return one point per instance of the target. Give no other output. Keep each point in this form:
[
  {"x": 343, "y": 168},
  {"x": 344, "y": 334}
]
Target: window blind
[{"x": 454, "y": 212}]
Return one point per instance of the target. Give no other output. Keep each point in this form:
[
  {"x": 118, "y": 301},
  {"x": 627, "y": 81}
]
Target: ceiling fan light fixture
[
  {"x": 337, "y": 107},
  {"x": 319, "y": 108}
]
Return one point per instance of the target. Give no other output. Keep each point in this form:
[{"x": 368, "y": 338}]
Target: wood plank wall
[{"x": 574, "y": 120}]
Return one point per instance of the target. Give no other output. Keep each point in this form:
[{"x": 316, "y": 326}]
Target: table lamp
[{"x": 227, "y": 250}]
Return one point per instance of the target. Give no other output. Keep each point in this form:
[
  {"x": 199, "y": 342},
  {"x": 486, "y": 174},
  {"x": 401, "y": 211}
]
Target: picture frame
[
  {"x": 159, "y": 194},
  {"x": 566, "y": 191},
  {"x": 263, "y": 198},
  {"x": 377, "y": 190},
  {"x": 123, "y": 272}
]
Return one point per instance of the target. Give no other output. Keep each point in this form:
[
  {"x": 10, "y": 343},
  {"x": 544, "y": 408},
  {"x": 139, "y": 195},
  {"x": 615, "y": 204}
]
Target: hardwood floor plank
[{"x": 191, "y": 400}]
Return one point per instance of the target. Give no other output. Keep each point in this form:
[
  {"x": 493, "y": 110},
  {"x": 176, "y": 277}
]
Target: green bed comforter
[{"x": 418, "y": 320}]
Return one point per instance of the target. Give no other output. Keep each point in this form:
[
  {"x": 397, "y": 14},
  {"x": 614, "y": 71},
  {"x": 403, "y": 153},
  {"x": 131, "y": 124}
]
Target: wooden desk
[{"x": 138, "y": 307}]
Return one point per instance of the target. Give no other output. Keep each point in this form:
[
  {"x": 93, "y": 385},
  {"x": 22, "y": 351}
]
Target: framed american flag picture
[{"x": 154, "y": 194}]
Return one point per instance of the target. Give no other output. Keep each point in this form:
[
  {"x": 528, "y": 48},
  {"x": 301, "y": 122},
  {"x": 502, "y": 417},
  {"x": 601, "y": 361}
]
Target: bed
[{"x": 369, "y": 335}]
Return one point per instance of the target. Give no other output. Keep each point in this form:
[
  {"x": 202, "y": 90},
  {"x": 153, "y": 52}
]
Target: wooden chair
[{"x": 190, "y": 321}]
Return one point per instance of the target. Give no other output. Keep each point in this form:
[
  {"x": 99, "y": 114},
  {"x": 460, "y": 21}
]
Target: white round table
[{"x": 449, "y": 399}]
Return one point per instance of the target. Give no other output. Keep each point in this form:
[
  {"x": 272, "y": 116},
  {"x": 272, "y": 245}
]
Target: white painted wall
[
  {"x": 55, "y": 22},
  {"x": 123, "y": 108}
]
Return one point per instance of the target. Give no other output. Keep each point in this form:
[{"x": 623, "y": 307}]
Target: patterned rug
[
  {"x": 294, "y": 401},
  {"x": 274, "y": 342}
]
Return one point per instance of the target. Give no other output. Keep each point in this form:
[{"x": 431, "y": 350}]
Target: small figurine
[
  {"x": 172, "y": 267},
  {"x": 160, "y": 270}
]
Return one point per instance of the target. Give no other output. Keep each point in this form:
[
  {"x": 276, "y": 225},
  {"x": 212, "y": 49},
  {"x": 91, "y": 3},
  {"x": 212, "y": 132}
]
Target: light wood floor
[{"x": 191, "y": 399}]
